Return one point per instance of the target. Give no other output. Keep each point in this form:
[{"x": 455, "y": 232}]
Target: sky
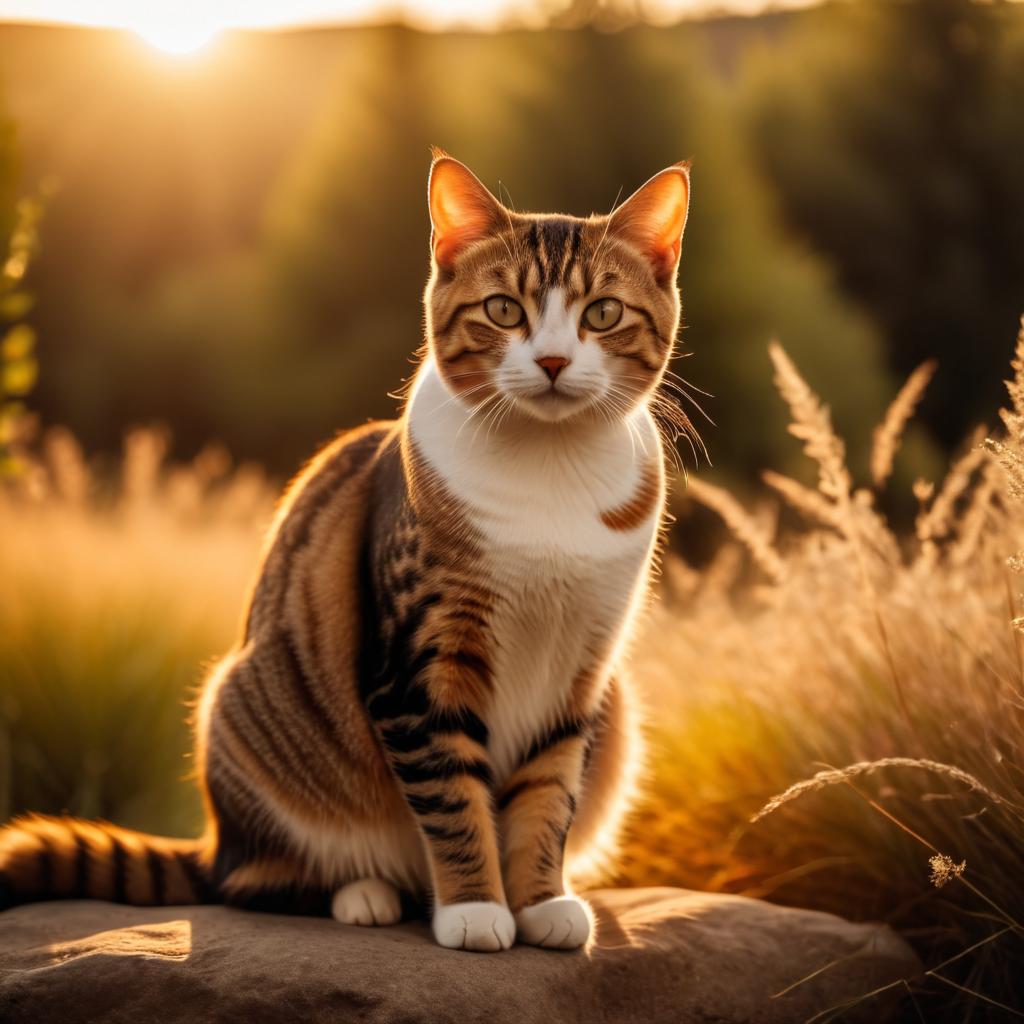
[{"x": 188, "y": 24}]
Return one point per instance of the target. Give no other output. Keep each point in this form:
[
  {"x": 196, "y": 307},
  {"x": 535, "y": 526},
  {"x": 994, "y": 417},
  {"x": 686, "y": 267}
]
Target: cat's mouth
[{"x": 553, "y": 403}]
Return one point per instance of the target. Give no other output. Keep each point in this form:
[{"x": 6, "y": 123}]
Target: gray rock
[{"x": 659, "y": 955}]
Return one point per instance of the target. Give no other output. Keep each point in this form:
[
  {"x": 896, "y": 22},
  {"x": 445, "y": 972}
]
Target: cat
[{"x": 428, "y": 694}]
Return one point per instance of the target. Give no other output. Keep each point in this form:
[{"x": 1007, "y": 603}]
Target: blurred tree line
[
  {"x": 892, "y": 132},
  {"x": 240, "y": 249}
]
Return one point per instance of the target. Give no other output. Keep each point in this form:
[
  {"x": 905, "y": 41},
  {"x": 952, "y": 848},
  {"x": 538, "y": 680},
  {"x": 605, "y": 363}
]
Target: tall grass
[
  {"x": 841, "y": 711},
  {"x": 839, "y": 706},
  {"x": 111, "y": 600}
]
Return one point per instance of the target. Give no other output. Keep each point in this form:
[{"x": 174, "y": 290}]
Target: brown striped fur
[
  {"x": 631, "y": 513},
  {"x": 348, "y": 734},
  {"x": 66, "y": 858}
]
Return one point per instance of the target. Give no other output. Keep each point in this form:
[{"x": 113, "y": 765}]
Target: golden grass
[
  {"x": 889, "y": 433},
  {"x": 110, "y": 603},
  {"x": 839, "y": 718}
]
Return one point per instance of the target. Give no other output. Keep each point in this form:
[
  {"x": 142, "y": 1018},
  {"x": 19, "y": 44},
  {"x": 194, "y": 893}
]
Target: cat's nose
[{"x": 553, "y": 366}]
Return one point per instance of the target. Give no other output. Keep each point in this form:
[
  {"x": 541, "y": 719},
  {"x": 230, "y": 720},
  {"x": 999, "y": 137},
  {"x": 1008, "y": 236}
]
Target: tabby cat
[{"x": 427, "y": 696}]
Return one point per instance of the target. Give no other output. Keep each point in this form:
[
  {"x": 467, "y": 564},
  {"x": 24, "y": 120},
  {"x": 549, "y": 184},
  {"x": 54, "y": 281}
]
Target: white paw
[
  {"x": 369, "y": 901},
  {"x": 558, "y": 923},
  {"x": 484, "y": 927}
]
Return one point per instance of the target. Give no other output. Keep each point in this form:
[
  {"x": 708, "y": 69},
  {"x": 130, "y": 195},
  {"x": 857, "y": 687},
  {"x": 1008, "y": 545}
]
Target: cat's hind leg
[
  {"x": 613, "y": 765},
  {"x": 367, "y": 901}
]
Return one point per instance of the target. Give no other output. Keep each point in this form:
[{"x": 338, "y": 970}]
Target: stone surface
[{"x": 658, "y": 955}]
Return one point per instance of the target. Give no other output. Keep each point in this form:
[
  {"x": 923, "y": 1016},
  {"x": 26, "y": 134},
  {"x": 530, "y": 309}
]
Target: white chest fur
[{"x": 567, "y": 583}]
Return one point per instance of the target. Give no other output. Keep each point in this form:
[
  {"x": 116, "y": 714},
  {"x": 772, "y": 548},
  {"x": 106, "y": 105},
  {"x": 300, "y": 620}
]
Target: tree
[{"x": 892, "y": 132}]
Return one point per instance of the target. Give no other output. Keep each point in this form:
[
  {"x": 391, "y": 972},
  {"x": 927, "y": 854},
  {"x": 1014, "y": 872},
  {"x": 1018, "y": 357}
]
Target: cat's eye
[
  {"x": 505, "y": 312},
  {"x": 601, "y": 315}
]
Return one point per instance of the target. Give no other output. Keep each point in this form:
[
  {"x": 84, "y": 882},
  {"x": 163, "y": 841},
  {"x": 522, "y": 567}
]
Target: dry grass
[
  {"x": 110, "y": 603},
  {"x": 846, "y": 732}
]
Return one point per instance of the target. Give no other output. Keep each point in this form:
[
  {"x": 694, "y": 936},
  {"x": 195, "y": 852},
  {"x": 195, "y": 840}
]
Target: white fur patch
[
  {"x": 566, "y": 582},
  {"x": 558, "y": 923},
  {"x": 532, "y": 484},
  {"x": 552, "y": 611},
  {"x": 370, "y": 901},
  {"x": 483, "y": 927}
]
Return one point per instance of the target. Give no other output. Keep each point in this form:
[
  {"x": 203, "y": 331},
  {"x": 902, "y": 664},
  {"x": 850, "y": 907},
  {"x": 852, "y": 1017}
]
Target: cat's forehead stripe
[{"x": 553, "y": 247}]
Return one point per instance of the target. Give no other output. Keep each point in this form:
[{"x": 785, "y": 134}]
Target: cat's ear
[
  {"x": 653, "y": 217},
  {"x": 462, "y": 211}
]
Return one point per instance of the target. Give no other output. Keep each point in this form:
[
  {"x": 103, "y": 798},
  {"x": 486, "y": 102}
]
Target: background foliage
[{"x": 237, "y": 232}]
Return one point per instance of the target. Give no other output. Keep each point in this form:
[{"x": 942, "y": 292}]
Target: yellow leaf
[
  {"x": 18, "y": 342},
  {"x": 19, "y": 376}
]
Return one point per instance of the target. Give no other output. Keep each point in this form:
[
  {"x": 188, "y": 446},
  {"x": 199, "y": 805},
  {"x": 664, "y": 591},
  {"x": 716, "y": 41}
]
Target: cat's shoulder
[
  {"x": 339, "y": 467},
  {"x": 351, "y": 450}
]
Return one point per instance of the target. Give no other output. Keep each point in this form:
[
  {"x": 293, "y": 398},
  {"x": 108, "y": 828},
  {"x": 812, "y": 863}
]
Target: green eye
[
  {"x": 505, "y": 312},
  {"x": 601, "y": 315}
]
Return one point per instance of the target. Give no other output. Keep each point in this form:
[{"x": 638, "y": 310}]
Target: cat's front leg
[
  {"x": 536, "y": 807},
  {"x": 436, "y": 745}
]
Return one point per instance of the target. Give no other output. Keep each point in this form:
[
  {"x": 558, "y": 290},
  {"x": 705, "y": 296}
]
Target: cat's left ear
[
  {"x": 462, "y": 211},
  {"x": 653, "y": 217}
]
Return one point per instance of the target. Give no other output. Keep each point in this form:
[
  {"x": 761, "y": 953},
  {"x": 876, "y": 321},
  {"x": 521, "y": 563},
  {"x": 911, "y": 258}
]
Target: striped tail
[{"x": 44, "y": 858}]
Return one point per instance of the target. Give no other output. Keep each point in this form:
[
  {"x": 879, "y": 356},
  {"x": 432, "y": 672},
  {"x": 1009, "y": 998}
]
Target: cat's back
[{"x": 320, "y": 521}]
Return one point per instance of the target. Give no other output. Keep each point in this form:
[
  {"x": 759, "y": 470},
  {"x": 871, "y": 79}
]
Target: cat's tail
[{"x": 44, "y": 858}]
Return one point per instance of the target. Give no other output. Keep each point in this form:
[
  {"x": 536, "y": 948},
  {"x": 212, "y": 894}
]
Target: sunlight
[
  {"x": 164, "y": 940},
  {"x": 176, "y": 36},
  {"x": 185, "y": 26}
]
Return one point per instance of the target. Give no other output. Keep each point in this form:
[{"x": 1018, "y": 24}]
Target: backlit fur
[{"x": 428, "y": 695}]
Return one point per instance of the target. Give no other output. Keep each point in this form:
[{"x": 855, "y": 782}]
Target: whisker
[
  {"x": 608, "y": 224},
  {"x": 673, "y": 386},
  {"x": 509, "y": 409},
  {"x": 683, "y": 380},
  {"x": 475, "y": 411},
  {"x": 490, "y": 412},
  {"x": 673, "y": 423},
  {"x": 511, "y": 227},
  {"x": 463, "y": 394}
]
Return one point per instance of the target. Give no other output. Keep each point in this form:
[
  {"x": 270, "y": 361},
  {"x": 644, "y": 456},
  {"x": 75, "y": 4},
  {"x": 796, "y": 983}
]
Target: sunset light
[
  {"x": 176, "y": 37},
  {"x": 186, "y": 27},
  {"x": 411, "y": 543}
]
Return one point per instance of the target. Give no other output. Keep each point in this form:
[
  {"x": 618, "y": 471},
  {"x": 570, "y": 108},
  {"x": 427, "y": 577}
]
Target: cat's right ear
[
  {"x": 462, "y": 211},
  {"x": 654, "y": 216}
]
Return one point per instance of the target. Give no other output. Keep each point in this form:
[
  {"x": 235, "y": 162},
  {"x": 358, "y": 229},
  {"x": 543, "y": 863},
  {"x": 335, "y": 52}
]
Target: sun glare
[{"x": 177, "y": 37}]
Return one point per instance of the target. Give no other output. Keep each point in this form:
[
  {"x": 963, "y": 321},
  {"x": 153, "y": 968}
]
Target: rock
[{"x": 658, "y": 955}]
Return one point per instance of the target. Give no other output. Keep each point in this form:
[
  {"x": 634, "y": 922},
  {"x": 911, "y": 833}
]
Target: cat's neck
[{"x": 540, "y": 486}]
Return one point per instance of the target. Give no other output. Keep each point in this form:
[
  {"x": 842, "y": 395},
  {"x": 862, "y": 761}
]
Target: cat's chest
[
  {"x": 555, "y": 618},
  {"x": 555, "y": 516},
  {"x": 563, "y": 526}
]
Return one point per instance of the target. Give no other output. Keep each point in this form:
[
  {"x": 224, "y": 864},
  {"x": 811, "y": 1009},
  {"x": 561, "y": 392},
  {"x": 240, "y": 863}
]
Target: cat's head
[{"x": 559, "y": 316}]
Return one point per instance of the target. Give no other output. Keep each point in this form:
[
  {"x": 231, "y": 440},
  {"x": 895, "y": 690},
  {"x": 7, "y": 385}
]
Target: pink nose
[{"x": 553, "y": 366}]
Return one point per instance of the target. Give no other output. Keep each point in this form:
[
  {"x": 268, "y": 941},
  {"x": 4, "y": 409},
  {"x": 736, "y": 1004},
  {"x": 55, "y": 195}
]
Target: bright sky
[{"x": 186, "y": 25}]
